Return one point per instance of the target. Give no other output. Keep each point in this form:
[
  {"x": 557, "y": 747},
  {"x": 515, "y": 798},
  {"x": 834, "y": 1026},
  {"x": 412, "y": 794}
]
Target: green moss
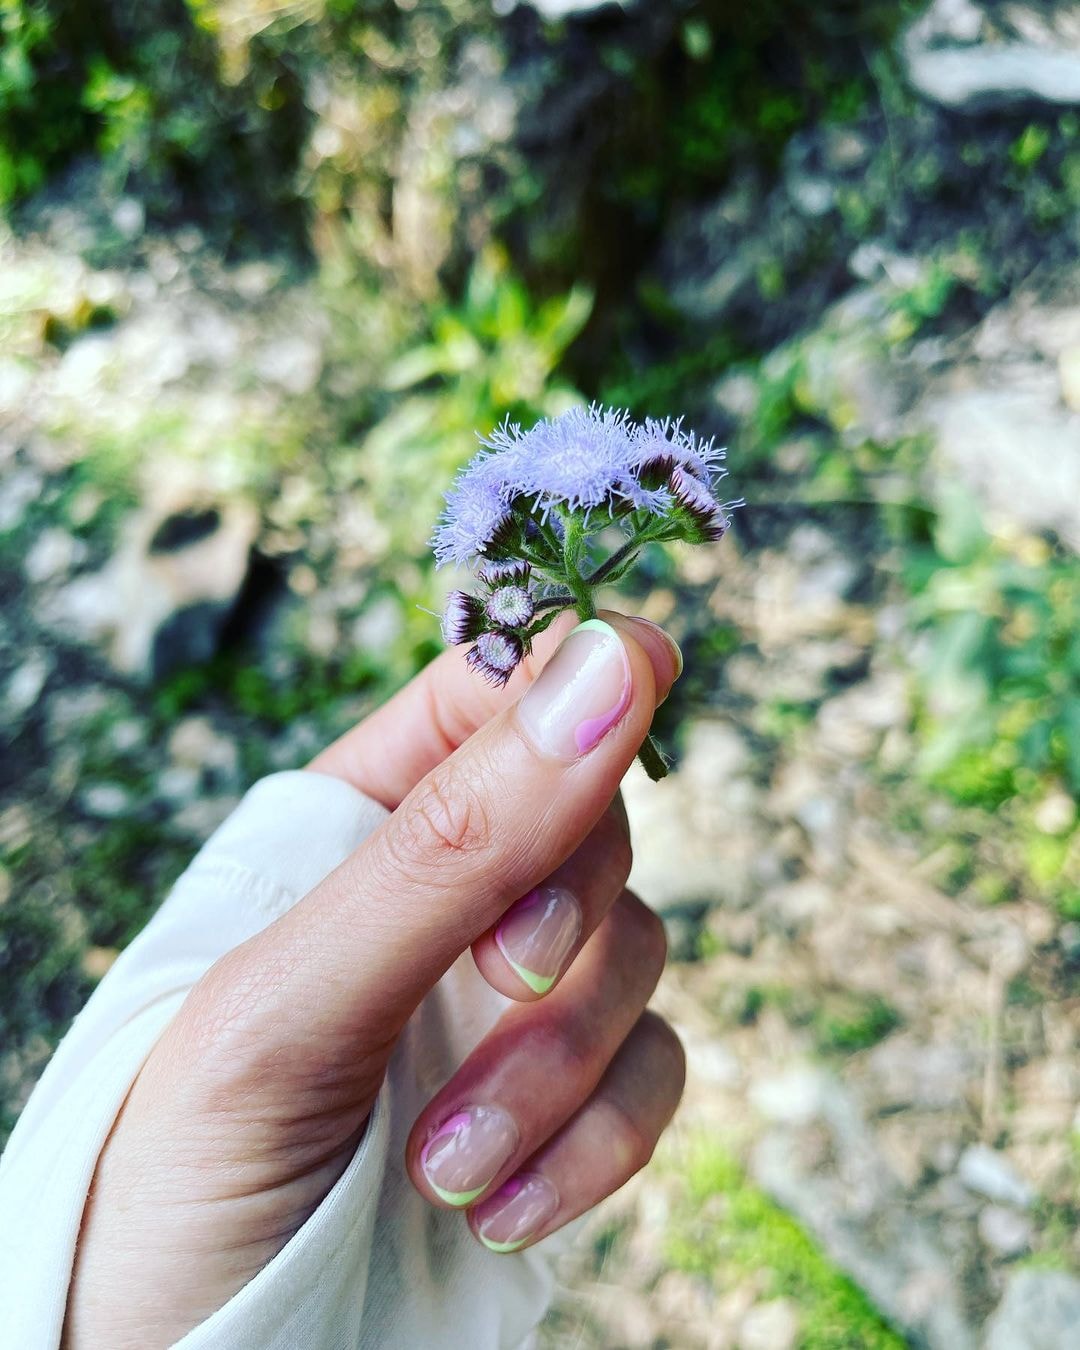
[
  {"x": 724, "y": 1228},
  {"x": 851, "y": 1022}
]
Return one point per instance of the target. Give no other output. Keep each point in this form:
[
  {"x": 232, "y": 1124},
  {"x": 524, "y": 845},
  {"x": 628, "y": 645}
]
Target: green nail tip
[
  {"x": 539, "y": 984},
  {"x": 502, "y": 1246},
  {"x": 457, "y": 1198},
  {"x": 597, "y": 626}
]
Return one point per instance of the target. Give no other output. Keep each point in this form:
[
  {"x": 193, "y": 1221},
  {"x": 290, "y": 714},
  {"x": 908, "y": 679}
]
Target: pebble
[
  {"x": 107, "y": 801},
  {"x": 1040, "y": 1311},
  {"x": 1004, "y": 1231},
  {"x": 987, "y": 1172},
  {"x": 770, "y": 1326}
]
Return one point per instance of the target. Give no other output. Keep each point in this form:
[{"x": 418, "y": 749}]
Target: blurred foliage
[
  {"x": 1001, "y": 656},
  {"x": 492, "y": 356}
]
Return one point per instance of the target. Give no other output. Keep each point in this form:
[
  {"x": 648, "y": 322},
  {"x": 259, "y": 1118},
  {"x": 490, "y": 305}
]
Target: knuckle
[{"x": 445, "y": 815}]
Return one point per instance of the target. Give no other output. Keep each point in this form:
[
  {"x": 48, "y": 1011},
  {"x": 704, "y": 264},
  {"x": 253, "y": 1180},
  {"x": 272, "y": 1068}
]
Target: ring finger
[{"x": 610, "y": 1138}]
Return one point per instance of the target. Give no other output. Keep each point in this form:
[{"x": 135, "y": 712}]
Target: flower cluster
[
  {"x": 525, "y": 509},
  {"x": 496, "y": 623},
  {"x": 593, "y": 462}
]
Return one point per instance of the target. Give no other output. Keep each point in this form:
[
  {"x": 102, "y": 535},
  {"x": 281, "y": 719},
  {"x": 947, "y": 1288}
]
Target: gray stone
[
  {"x": 1004, "y": 1231},
  {"x": 987, "y": 1172},
  {"x": 989, "y": 74},
  {"x": 1040, "y": 1311},
  {"x": 1017, "y": 448},
  {"x": 195, "y": 743},
  {"x": 770, "y": 1326},
  {"x": 107, "y": 801},
  {"x": 25, "y": 685},
  {"x": 53, "y": 554},
  {"x": 18, "y": 488}
]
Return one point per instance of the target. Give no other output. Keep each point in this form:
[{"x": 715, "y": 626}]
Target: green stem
[{"x": 650, "y": 755}]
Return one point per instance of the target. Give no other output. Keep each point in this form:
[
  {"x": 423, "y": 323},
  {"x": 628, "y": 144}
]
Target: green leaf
[{"x": 1070, "y": 725}]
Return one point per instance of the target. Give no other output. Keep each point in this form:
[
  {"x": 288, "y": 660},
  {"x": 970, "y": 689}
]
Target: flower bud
[
  {"x": 510, "y": 607},
  {"x": 495, "y": 656},
  {"x": 463, "y": 618}
]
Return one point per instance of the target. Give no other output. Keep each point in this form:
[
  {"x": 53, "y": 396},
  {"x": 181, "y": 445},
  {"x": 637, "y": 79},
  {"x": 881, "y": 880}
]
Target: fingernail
[
  {"x": 537, "y": 933},
  {"x": 515, "y": 1212},
  {"x": 580, "y": 694},
  {"x": 467, "y": 1151},
  {"x": 672, "y": 645}
]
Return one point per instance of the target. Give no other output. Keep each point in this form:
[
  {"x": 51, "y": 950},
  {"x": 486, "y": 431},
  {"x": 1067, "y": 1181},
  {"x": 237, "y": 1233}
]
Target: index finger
[{"x": 390, "y": 751}]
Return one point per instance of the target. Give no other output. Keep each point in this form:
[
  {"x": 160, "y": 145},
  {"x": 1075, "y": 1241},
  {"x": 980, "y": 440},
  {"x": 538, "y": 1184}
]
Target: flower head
[
  {"x": 495, "y": 656},
  {"x": 463, "y": 618},
  {"x": 510, "y": 607},
  {"x": 505, "y": 573},
  {"x": 477, "y": 516},
  {"x": 706, "y": 513}
]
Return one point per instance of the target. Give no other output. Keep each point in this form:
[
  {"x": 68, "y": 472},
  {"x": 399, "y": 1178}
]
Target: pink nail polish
[
  {"x": 467, "y": 1151},
  {"x": 537, "y": 934},
  {"x": 580, "y": 694},
  {"x": 517, "y": 1210}
]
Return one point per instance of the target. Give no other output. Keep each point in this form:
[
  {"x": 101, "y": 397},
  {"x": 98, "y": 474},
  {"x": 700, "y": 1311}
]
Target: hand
[{"x": 252, "y": 1103}]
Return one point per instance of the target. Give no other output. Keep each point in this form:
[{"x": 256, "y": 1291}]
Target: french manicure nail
[
  {"x": 466, "y": 1152},
  {"x": 580, "y": 694},
  {"x": 537, "y": 934},
  {"x": 517, "y": 1210}
]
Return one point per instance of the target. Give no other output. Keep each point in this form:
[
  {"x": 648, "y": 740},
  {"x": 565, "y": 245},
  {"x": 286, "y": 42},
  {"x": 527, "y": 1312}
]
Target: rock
[
  {"x": 162, "y": 601},
  {"x": 905, "y": 1070},
  {"x": 107, "y": 801},
  {"x": 945, "y": 64},
  {"x": 703, "y": 814},
  {"x": 293, "y": 363},
  {"x": 1004, "y": 1231},
  {"x": 1069, "y": 375},
  {"x": 178, "y": 784},
  {"x": 562, "y": 9},
  {"x": 24, "y": 686},
  {"x": 199, "y": 818},
  {"x": 794, "y": 1097},
  {"x": 1040, "y": 1311},
  {"x": 195, "y": 743},
  {"x": 18, "y": 488},
  {"x": 770, "y": 1326},
  {"x": 53, "y": 553},
  {"x": 987, "y": 1172},
  {"x": 1016, "y": 449}
]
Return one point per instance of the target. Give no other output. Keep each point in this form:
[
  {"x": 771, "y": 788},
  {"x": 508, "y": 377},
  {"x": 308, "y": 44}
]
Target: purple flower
[
  {"x": 698, "y": 501},
  {"x": 463, "y": 618},
  {"x": 505, "y": 573},
  {"x": 495, "y": 656},
  {"x": 477, "y": 515},
  {"x": 510, "y": 607},
  {"x": 583, "y": 460},
  {"x": 663, "y": 446},
  {"x": 524, "y": 483}
]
